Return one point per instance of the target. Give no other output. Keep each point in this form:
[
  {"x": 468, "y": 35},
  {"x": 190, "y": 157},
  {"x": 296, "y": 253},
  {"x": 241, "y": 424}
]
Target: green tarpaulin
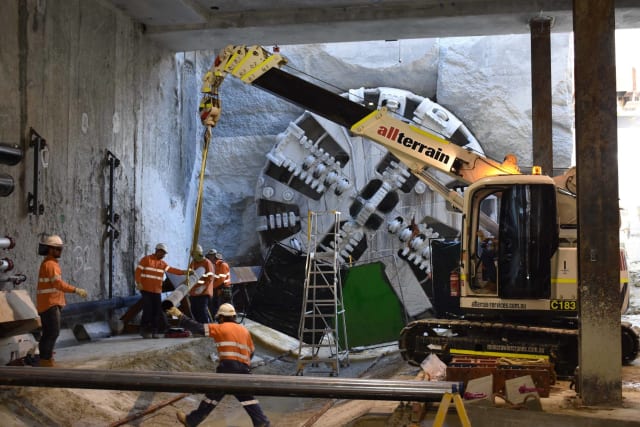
[{"x": 373, "y": 312}]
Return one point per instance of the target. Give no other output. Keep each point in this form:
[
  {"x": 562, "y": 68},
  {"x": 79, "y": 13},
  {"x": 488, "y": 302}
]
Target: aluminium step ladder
[{"x": 322, "y": 331}]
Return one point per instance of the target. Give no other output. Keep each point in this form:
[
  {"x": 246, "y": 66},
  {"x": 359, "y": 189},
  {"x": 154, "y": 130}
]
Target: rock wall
[
  {"x": 486, "y": 82},
  {"x": 83, "y": 77}
]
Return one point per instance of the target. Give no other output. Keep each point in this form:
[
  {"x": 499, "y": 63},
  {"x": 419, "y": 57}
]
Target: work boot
[
  {"x": 146, "y": 334},
  {"x": 156, "y": 335},
  {"x": 46, "y": 363},
  {"x": 198, "y": 415},
  {"x": 182, "y": 417}
]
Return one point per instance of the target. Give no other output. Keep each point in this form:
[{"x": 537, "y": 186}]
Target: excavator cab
[{"x": 513, "y": 237}]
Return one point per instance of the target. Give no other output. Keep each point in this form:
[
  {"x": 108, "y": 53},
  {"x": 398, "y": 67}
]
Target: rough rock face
[
  {"x": 486, "y": 82},
  {"x": 83, "y": 77}
]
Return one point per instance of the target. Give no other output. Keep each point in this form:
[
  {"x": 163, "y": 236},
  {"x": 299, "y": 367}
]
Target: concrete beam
[{"x": 188, "y": 25}]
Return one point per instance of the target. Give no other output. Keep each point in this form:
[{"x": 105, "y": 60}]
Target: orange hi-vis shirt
[
  {"x": 232, "y": 340},
  {"x": 222, "y": 275},
  {"x": 205, "y": 282},
  {"x": 51, "y": 287},
  {"x": 150, "y": 273}
]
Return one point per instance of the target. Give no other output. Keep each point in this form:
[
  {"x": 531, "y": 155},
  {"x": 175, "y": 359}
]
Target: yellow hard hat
[{"x": 226, "y": 310}]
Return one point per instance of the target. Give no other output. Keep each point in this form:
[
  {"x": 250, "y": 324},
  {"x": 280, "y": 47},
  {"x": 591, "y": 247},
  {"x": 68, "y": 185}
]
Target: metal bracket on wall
[
  {"x": 40, "y": 152},
  {"x": 112, "y": 217}
]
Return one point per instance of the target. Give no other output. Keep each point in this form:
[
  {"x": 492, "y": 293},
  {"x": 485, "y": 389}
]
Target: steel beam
[
  {"x": 198, "y": 382},
  {"x": 598, "y": 209},
  {"x": 541, "y": 98}
]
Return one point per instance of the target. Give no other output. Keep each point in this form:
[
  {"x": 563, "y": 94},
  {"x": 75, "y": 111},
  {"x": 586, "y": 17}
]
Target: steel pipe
[
  {"x": 100, "y": 305},
  {"x": 173, "y": 300},
  {"x": 7, "y": 242},
  {"x": 5, "y": 265},
  {"x": 10, "y": 154},
  {"x": 6, "y": 184},
  {"x": 261, "y": 385}
]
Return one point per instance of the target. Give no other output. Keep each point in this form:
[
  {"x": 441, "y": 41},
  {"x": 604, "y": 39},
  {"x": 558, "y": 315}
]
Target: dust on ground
[
  {"x": 34, "y": 406},
  {"x": 41, "y": 406}
]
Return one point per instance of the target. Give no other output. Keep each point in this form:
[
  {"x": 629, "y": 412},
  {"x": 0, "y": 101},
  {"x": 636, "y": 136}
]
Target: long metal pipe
[
  {"x": 198, "y": 382},
  {"x": 173, "y": 300},
  {"x": 105, "y": 304}
]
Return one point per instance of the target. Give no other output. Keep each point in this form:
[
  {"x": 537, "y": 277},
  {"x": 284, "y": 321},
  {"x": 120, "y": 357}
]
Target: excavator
[{"x": 508, "y": 284}]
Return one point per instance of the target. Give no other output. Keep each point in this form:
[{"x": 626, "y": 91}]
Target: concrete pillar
[
  {"x": 542, "y": 145},
  {"x": 598, "y": 215}
]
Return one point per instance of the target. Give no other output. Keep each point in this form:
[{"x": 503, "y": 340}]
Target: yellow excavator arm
[{"x": 416, "y": 147}]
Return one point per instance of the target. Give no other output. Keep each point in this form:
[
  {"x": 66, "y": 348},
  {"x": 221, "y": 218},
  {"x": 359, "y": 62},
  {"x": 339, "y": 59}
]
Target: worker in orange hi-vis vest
[
  {"x": 201, "y": 293},
  {"x": 50, "y": 297},
  {"x": 221, "y": 283},
  {"x": 149, "y": 277},
  {"x": 235, "y": 350}
]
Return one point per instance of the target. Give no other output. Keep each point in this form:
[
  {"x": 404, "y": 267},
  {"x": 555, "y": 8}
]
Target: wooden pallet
[{"x": 465, "y": 368}]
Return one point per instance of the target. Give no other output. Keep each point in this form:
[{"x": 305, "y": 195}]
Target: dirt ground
[{"x": 32, "y": 406}]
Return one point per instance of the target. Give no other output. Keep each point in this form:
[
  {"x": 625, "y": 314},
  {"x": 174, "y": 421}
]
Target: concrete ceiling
[{"x": 187, "y": 25}]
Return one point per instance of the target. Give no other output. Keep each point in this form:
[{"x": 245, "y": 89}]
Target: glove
[
  {"x": 139, "y": 286},
  {"x": 190, "y": 272},
  {"x": 81, "y": 292},
  {"x": 175, "y": 312}
]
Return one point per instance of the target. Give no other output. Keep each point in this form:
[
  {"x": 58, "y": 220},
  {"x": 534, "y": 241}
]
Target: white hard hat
[
  {"x": 162, "y": 247},
  {"x": 227, "y": 310},
  {"x": 198, "y": 250},
  {"x": 219, "y": 255},
  {"x": 212, "y": 252},
  {"x": 54, "y": 241}
]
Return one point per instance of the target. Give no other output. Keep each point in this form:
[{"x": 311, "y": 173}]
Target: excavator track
[
  {"x": 630, "y": 337},
  {"x": 446, "y": 338}
]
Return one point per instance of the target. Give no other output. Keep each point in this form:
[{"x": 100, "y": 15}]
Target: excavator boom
[{"x": 415, "y": 146}]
